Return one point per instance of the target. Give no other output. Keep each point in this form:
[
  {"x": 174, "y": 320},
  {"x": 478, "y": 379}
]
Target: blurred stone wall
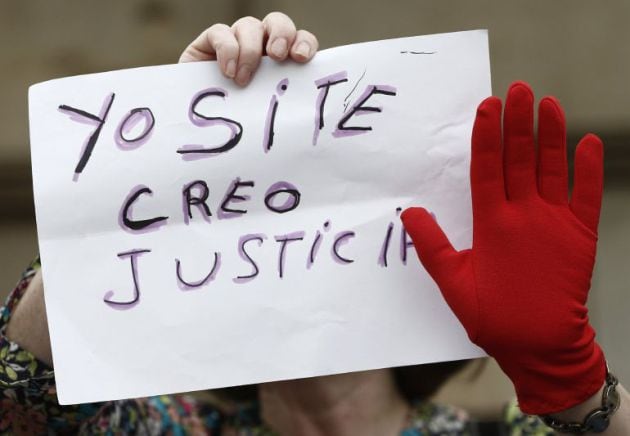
[{"x": 578, "y": 50}]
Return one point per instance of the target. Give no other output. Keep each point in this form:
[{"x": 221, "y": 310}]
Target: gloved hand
[{"x": 520, "y": 292}]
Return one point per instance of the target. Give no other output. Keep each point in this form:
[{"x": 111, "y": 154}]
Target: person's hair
[{"x": 416, "y": 382}]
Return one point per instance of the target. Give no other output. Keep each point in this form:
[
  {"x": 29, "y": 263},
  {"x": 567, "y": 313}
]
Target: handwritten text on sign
[{"x": 196, "y": 235}]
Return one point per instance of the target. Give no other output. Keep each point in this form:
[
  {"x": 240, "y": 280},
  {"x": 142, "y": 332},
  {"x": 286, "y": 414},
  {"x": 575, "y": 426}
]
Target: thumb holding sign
[{"x": 521, "y": 290}]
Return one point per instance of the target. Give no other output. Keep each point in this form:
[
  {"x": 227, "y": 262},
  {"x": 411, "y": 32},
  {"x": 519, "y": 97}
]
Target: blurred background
[{"x": 576, "y": 50}]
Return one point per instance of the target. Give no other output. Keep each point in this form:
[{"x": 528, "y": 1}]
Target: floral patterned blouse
[{"x": 28, "y": 405}]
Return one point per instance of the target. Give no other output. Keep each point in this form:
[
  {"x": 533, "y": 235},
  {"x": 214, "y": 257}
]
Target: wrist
[
  {"x": 593, "y": 415},
  {"x": 579, "y": 411}
]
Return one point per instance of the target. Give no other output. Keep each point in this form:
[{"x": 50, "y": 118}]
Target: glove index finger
[
  {"x": 433, "y": 247},
  {"x": 451, "y": 269}
]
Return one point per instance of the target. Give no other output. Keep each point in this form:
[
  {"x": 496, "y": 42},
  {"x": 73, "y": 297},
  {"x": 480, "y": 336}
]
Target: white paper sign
[{"x": 197, "y": 235}]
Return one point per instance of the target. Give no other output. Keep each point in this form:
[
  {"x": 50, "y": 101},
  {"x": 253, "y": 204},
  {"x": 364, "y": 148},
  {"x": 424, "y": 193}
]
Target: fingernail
[
  {"x": 279, "y": 48},
  {"x": 244, "y": 73},
  {"x": 230, "y": 69},
  {"x": 303, "y": 49}
]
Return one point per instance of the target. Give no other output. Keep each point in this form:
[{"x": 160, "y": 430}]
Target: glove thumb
[{"x": 451, "y": 269}]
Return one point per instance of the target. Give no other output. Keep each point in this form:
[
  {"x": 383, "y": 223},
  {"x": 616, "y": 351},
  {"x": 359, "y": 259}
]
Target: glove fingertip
[
  {"x": 416, "y": 220},
  {"x": 592, "y": 143},
  {"x": 490, "y": 104},
  {"x": 412, "y": 213}
]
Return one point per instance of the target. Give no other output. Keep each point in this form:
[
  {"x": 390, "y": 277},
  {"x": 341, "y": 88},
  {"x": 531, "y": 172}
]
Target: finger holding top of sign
[{"x": 239, "y": 48}]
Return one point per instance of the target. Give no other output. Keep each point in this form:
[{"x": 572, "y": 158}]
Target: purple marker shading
[
  {"x": 199, "y": 201},
  {"x": 126, "y": 305},
  {"x": 84, "y": 117},
  {"x": 341, "y": 239},
  {"x": 331, "y": 79},
  {"x": 197, "y": 151},
  {"x": 224, "y": 212},
  {"x": 405, "y": 243},
  {"x": 314, "y": 249},
  {"x": 316, "y": 243},
  {"x": 258, "y": 237},
  {"x": 196, "y": 118},
  {"x": 284, "y": 240},
  {"x": 269, "y": 122},
  {"x": 190, "y": 286},
  {"x": 292, "y": 201},
  {"x": 138, "y": 226},
  {"x": 191, "y": 152},
  {"x": 365, "y": 113},
  {"x": 358, "y": 108},
  {"x": 127, "y": 124},
  {"x": 345, "y": 100},
  {"x": 282, "y": 86},
  {"x": 386, "y": 89},
  {"x": 324, "y": 85},
  {"x": 382, "y": 259}
]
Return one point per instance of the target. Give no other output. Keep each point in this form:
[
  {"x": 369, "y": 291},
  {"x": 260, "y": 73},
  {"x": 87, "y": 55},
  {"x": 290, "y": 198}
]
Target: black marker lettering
[
  {"x": 246, "y": 257},
  {"x": 284, "y": 240},
  {"x": 99, "y": 119},
  {"x": 324, "y": 85},
  {"x": 291, "y": 202},
  {"x": 186, "y": 285},
  {"x": 341, "y": 239},
  {"x": 405, "y": 243},
  {"x": 198, "y": 201},
  {"x": 231, "y": 196},
  {"x": 382, "y": 259},
  {"x": 124, "y": 305},
  {"x": 204, "y": 120},
  {"x": 127, "y": 222},
  {"x": 314, "y": 249},
  {"x": 271, "y": 115},
  {"x": 343, "y": 130},
  {"x": 316, "y": 244},
  {"x": 129, "y": 122}
]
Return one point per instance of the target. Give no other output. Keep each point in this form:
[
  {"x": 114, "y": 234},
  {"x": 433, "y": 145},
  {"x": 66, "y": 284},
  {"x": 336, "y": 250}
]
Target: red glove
[{"x": 520, "y": 292}]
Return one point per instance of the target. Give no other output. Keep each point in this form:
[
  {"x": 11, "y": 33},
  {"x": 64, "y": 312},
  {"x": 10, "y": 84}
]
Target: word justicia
[{"x": 393, "y": 246}]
